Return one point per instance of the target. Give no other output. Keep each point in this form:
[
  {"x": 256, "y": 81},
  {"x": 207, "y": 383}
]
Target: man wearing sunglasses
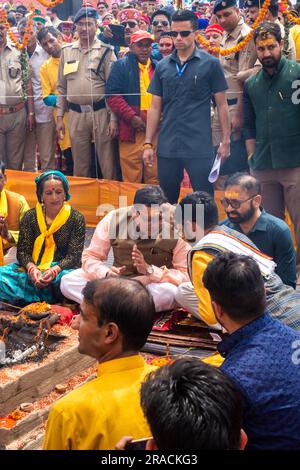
[
  {"x": 242, "y": 204},
  {"x": 182, "y": 86},
  {"x": 283, "y": 303},
  {"x": 160, "y": 22},
  {"x": 129, "y": 19}
]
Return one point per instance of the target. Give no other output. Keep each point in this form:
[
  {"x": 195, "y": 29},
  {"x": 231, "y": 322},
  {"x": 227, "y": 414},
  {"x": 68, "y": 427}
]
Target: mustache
[{"x": 229, "y": 214}]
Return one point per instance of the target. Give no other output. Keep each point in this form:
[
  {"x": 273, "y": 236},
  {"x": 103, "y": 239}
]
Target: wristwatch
[
  {"x": 147, "y": 145},
  {"x": 150, "y": 269}
]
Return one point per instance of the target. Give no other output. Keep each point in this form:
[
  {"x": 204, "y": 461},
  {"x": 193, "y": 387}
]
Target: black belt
[
  {"x": 86, "y": 108},
  {"x": 232, "y": 101}
]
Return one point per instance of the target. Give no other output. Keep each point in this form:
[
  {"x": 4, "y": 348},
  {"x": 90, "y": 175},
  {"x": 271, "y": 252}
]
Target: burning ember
[{"x": 25, "y": 335}]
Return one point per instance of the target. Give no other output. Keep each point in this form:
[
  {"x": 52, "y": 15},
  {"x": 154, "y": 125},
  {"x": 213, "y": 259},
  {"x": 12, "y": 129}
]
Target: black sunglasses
[
  {"x": 234, "y": 203},
  {"x": 183, "y": 34},
  {"x": 164, "y": 23},
  {"x": 131, "y": 24}
]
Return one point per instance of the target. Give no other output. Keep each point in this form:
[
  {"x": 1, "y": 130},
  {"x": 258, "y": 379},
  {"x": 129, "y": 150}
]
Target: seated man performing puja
[
  {"x": 50, "y": 245},
  {"x": 283, "y": 303},
  {"x": 116, "y": 318},
  {"x": 12, "y": 209},
  {"x": 144, "y": 247}
]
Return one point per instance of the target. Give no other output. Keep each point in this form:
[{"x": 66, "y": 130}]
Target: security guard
[
  {"x": 15, "y": 112},
  {"x": 229, "y": 17},
  {"x": 83, "y": 70}
]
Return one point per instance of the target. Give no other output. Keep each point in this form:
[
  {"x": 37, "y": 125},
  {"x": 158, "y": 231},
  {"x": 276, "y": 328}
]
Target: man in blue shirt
[
  {"x": 270, "y": 234},
  {"x": 182, "y": 88},
  {"x": 260, "y": 353}
]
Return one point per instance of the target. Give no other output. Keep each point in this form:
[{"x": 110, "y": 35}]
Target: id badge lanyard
[{"x": 180, "y": 71}]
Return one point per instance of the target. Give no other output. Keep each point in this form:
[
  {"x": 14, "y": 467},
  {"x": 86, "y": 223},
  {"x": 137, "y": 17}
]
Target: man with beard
[
  {"x": 197, "y": 213},
  {"x": 271, "y": 127},
  {"x": 242, "y": 203},
  {"x": 253, "y": 7}
]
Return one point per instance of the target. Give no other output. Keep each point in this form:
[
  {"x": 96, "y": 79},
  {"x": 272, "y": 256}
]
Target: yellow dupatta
[
  {"x": 144, "y": 84},
  {"x": 47, "y": 235},
  {"x": 3, "y": 213}
]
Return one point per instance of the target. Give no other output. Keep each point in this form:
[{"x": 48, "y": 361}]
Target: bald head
[{"x": 246, "y": 182}]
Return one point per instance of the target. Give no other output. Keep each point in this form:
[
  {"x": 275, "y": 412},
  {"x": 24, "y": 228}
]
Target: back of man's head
[
  {"x": 196, "y": 204},
  {"x": 150, "y": 195},
  {"x": 235, "y": 283},
  {"x": 125, "y": 302},
  {"x": 190, "y": 405}
]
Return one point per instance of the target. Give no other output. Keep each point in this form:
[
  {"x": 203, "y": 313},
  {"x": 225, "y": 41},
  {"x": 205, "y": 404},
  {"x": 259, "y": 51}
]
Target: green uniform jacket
[{"x": 272, "y": 116}]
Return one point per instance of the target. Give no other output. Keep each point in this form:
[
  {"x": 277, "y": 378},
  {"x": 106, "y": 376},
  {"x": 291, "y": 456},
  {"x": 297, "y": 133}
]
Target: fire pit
[
  {"x": 36, "y": 354},
  {"x": 26, "y": 335}
]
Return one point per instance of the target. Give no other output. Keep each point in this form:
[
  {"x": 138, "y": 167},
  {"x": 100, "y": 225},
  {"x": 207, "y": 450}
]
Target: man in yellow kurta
[
  {"x": 51, "y": 41},
  {"x": 116, "y": 318},
  {"x": 12, "y": 209},
  {"x": 282, "y": 300}
]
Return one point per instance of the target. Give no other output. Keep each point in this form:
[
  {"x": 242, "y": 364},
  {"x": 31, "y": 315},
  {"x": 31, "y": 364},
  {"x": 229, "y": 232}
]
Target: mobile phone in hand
[
  {"x": 138, "y": 444},
  {"x": 118, "y": 38}
]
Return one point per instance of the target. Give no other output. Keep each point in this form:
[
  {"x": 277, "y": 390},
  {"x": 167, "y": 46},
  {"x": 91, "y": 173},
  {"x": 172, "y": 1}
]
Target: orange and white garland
[
  {"x": 290, "y": 16},
  {"x": 12, "y": 37},
  {"x": 233, "y": 50},
  {"x": 50, "y": 4}
]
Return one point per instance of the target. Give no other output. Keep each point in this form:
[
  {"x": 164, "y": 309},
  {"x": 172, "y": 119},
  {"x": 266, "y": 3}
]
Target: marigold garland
[
  {"x": 50, "y": 4},
  {"x": 12, "y": 37},
  {"x": 233, "y": 50},
  {"x": 290, "y": 16}
]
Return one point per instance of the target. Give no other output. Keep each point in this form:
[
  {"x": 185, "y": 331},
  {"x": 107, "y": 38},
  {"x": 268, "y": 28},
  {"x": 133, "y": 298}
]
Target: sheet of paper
[{"x": 214, "y": 172}]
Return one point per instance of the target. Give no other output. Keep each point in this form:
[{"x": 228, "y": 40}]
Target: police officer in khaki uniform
[
  {"x": 15, "y": 113},
  {"x": 84, "y": 68},
  {"x": 229, "y": 17}
]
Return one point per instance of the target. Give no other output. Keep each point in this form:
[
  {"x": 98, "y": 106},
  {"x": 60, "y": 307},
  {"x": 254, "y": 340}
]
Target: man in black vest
[{"x": 145, "y": 247}]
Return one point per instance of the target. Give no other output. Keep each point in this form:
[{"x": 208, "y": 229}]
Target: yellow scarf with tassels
[
  {"x": 3, "y": 213},
  {"x": 47, "y": 235},
  {"x": 144, "y": 84}
]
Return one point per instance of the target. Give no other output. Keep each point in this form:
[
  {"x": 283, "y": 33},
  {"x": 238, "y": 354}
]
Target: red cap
[
  {"x": 145, "y": 18},
  {"x": 281, "y": 7},
  {"x": 216, "y": 28},
  {"x": 139, "y": 36}
]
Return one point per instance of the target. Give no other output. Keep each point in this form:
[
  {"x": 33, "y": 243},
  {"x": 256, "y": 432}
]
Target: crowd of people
[
  {"x": 142, "y": 92},
  {"x": 132, "y": 93}
]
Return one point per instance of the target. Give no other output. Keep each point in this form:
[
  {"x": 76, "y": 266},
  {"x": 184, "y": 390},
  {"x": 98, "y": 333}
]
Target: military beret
[
  {"x": 85, "y": 12},
  {"x": 252, "y": 3},
  {"x": 222, "y": 4},
  {"x": 21, "y": 9}
]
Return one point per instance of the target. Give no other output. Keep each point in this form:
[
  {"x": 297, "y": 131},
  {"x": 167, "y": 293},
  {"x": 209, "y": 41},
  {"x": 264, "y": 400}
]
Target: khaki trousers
[
  {"x": 131, "y": 160},
  {"x": 12, "y": 138},
  {"x": 280, "y": 190},
  {"x": 85, "y": 128},
  {"x": 43, "y": 136}
]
